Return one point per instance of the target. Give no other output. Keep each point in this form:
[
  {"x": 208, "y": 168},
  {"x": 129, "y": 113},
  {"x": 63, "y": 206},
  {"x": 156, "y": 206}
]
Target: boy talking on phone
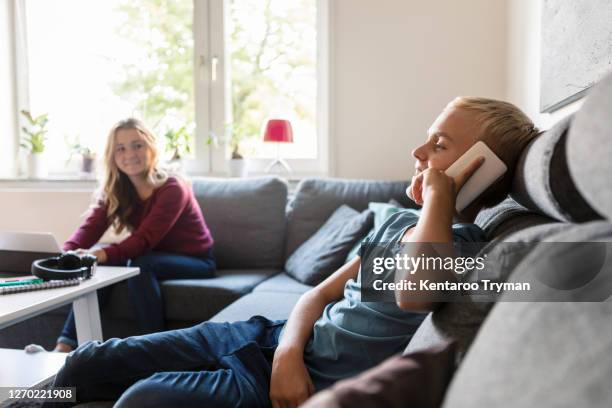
[{"x": 330, "y": 334}]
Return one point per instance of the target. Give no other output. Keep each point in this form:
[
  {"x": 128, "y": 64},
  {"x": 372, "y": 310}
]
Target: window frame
[{"x": 212, "y": 101}]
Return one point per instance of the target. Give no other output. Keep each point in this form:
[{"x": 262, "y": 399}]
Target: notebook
[{"x": 7, "y": 290}]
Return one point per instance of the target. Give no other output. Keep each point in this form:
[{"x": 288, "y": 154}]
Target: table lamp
[{"x": 278, "y": 131}]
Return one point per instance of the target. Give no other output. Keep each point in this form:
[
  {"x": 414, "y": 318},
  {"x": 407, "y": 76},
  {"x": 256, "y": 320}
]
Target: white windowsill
[{"x": 74, "y": 183}]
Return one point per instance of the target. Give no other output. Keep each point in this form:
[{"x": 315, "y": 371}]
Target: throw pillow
[
  {"x": 419, "y": 379},
  {"x": 381, "y": 211},
  {"x": 326, "y": 250}
]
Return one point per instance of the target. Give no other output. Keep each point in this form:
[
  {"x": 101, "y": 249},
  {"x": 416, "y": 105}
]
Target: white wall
[
  {"x": 8, "y": 123},
  {"x": 59, "y": 212},
  {"x": 523, "y": 87},
  {"x": 395, "y": 65}
]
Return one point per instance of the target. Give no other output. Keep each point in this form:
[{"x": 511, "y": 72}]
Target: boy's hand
[
  {"x": 435, "y": 182},
  {"x": 290, "y": 384}
]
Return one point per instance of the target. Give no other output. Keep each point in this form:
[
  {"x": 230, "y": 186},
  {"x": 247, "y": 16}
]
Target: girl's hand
[
  {"x": 100, "y": 254},
  {"x": 432, "y": 182}
]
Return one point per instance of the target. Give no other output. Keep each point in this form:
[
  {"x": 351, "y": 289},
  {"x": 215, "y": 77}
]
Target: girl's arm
[
  {"x": 90, "y": 232},
  {"x": 170, "y": 201}
]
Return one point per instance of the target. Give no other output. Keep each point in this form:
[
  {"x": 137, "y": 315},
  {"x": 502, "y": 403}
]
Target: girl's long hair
[{"x": 118, "y": 192}]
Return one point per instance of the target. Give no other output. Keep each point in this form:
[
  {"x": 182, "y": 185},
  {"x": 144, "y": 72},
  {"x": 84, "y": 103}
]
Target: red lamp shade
[{"x": 278, "y": 130}]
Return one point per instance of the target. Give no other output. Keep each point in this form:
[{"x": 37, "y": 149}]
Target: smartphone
[{"x": 487, "y": 174}]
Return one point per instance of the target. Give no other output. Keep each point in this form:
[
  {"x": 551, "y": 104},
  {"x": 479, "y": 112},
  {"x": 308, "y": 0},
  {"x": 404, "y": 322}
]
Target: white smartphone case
[{"x": 489, "y": 172}]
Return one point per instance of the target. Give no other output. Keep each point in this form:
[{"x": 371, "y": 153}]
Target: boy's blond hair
[{"x": 506, "y": 130}]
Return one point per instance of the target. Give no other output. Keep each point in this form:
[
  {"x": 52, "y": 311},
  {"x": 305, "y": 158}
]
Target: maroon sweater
[{"x": 170, "y": 220}]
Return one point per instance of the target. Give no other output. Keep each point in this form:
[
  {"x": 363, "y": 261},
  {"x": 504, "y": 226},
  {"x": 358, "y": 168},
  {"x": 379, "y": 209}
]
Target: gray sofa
[
  {"x": 256, "y": 224},
  {"x": 523, "y": 355}
]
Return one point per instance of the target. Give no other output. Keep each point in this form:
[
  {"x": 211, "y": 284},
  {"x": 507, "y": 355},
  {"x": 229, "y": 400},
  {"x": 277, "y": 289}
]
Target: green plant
[
  {"x": 76, "y": 148},
  {"x": 235, "y": 139},
  {"x": 34, "y": 139},
  {"x": 178, "y": 141}
]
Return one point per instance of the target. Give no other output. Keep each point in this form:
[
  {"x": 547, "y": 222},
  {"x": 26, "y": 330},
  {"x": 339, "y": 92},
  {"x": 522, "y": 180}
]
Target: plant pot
[
  {"x": 88, "y": 165},
  {"x": 37, "y": 168},
  {"x": 176, "y": 165},
  {"x": 238, "y": 167}
]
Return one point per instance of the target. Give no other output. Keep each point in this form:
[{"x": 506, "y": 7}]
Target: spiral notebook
[{"x": 7, "y": 290}]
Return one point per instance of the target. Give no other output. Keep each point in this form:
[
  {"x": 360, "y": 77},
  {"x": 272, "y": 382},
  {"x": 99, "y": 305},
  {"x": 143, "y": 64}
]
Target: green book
[{"x": 29, "y": 280}]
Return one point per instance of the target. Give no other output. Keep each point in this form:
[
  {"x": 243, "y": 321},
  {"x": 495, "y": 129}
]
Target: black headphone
[{"x": 68, "y": 265}]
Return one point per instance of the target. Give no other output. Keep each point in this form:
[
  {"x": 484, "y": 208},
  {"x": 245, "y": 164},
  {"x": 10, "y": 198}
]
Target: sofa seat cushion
[
  {"x": 273, "y": 305},
  {"x": 282, "y": 283},
  {"x": 195, "y": 299}
]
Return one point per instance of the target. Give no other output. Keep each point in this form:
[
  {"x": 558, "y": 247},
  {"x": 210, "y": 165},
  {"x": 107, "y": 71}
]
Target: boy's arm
[
  {"x": 434, "y": 225},
  {"x": 290, "y": 383},
  {"x": 437, "y": 193}
]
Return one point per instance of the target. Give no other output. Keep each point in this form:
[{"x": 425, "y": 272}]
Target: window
[{"x": 215, "y": 69}]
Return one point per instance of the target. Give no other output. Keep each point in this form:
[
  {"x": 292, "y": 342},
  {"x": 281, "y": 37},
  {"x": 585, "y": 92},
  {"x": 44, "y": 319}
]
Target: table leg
[{"x": 87, "y": 318}]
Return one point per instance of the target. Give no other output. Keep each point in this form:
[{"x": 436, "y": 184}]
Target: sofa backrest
[
  {"x": 589, "y": 148},
  {"x": 317, "y": 198},
  {"x": 246, "y": 218},
  {"x": 565, "y": 173},
  {"x": 545, "y": 354},
  {"x": 542, "y": 181}
]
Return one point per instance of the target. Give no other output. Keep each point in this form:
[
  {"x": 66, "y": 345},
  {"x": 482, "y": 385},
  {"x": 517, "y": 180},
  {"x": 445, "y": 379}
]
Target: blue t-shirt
[{"x": 352, "y": 336}]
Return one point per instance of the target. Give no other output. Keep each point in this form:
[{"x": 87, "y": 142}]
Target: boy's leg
[
  {"x": 242, "y": 381},
  {"x": 103, "y": 371}
]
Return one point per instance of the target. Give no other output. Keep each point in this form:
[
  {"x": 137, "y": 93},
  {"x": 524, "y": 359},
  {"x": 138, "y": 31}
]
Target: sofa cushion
[
  {"x": 195, "y": 299},
  {"x": 508, "y": 217},
  {"x": 282, "y": 283},
  {"x": 544, "y": 354},
  {"x": 542, "y": 182},
  {"x": 415, "y": 380},
  {"x": 273, "y": 305},
  {"x": 538, "y": 355},
  {"x": 326, "y": 250},
  {"x": 460, "y": 321},
  {"x": 246, "y": 218},
  {"x": 316, "y": 199},
  {"x": 589, "y": 148},
  {"x": 381, "y": 211}
]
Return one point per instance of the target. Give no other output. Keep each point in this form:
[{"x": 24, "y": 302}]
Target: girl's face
[
  {"x": 132, "y": 155},
  {"x": 451, "y": 135}
]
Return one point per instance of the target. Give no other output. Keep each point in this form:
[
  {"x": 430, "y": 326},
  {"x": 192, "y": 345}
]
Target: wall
[
  {"x": 395, "y": 65},
  {"x": 59, "y": 212},
  {"x": 523, "y": 86}
]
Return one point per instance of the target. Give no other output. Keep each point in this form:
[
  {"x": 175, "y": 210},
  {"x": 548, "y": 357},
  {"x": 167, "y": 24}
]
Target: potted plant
[
  {"x": 34, "y": 141},
  {"x": 178, "y": 143},
  {"x": 238, "y": 164},
  {"x": 88, "y": 157}
]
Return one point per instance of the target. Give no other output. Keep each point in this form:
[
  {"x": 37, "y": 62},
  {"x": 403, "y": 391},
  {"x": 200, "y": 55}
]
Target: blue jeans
[
  {"x": 207, "y": 365},
  {"x": 144, "y": 290}
]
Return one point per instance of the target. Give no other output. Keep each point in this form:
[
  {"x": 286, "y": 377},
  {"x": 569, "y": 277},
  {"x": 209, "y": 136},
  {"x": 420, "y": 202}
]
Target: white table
[{"x": 19, "y": 369}]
